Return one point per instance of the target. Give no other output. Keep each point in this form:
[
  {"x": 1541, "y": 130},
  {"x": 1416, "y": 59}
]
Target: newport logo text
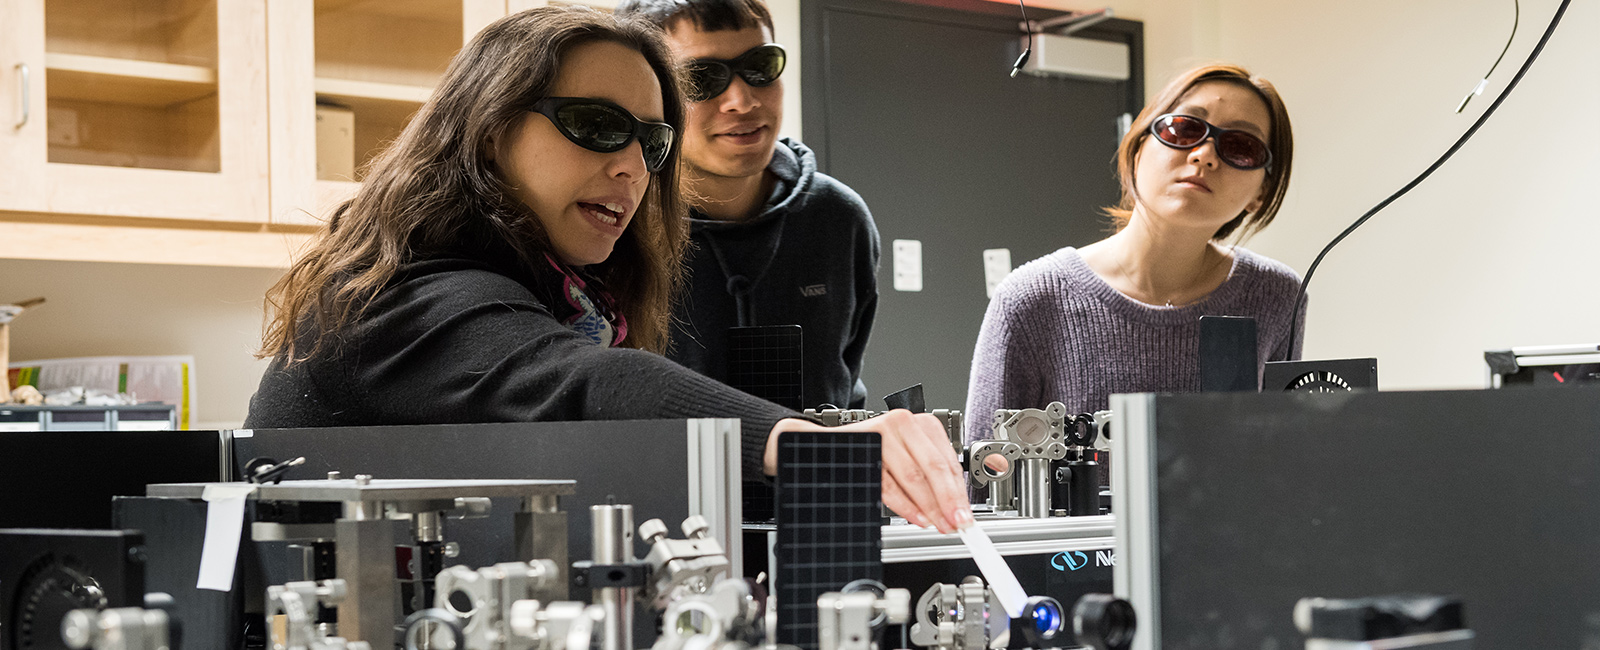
[
  {"x": 1069, "y": 560},
  {"x": 1074, "y": 560}
]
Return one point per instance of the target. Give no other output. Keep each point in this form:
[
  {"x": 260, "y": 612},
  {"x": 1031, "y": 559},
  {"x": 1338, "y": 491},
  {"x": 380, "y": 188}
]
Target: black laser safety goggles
[
  {"x": 1240, "y": 149},
  {"x": 758, "y": 66},
  {"x": 599, "y": 125}
]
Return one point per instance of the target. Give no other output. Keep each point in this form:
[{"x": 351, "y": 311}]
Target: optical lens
[
  {"x": 1045, "y": 617},
  {"x": 597, "y": 127},
  {"x": 763, "y": 65},
  {"x": 1242, "y": 150},
  {"x": 1180, "y": 130},
  {"x": 657, "y": 143},
  {"x": 707, "y": 79}
]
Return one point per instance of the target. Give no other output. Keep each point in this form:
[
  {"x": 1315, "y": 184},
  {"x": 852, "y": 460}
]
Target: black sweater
[
  {"x": 810, "y": 258},
  {"x": 456, "y": 340}
]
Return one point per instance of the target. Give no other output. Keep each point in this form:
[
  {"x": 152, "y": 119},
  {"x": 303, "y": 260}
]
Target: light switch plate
[
  {"x": 907, "y": 265},
  {"x": 996, "y": 266}
]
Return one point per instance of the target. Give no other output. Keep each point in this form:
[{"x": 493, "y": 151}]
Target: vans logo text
[{"x": 814, "y": 290}]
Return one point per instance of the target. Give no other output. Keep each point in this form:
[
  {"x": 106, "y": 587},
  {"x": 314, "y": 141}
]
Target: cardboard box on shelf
[{"x": 336, "y": 143}]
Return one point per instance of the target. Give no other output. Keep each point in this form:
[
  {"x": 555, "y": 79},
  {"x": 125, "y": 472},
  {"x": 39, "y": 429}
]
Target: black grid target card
[
  {"x": 766, "y": 361},
  {"x": 830, "y": 496}
]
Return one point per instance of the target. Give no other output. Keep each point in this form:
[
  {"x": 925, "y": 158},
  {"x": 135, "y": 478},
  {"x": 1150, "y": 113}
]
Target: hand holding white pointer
[{"x": 921, "y": 479}]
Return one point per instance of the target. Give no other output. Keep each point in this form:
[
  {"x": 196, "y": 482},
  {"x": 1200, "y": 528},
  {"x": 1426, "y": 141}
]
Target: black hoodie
[{"x": 810, "y": 258}]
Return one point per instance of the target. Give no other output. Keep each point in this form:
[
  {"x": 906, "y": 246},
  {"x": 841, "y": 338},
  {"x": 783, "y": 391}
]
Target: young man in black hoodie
[{"x": 775, "y": 241}]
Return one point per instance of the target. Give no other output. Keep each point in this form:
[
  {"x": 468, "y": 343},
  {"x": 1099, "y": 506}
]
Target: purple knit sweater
[{"x": 1055, "y": 331}]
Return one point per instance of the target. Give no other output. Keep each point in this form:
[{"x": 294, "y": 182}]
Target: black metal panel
[
  {"x": 912, "y": 106},
  {"x": 643, "y": 463},
  {"x": 175, "y": 533},
  {"x": 1488, "y": 495},
  {"x": 46, "y": 573},
  {"x": 1065, "y": 576},
  {"x": 65, "y": 479},
  {"x": 830, "y": 523}
]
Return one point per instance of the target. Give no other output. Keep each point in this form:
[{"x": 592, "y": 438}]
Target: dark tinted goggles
[
  {"x": 1240, "y": 149},
  {"x": 599, "y": 125},
  {"x": 760, "y": 66}
]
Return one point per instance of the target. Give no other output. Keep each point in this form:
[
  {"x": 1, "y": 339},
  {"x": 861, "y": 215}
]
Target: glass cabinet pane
[
  {"x": 133, "y": 83},
  {"x": 376, "y": 62}
]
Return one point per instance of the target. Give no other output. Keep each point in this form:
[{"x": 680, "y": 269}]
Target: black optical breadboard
[
  {"x": 766, "y": 361},
  {"x": 829, "y": 523}
]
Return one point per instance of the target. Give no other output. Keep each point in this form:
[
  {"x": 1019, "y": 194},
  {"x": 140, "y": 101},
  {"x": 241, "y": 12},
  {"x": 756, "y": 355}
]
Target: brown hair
[
  {"x": 706, "y": 15},
  {"x": 435, "y": 189},
  {"x": 1280, "y": 141}
]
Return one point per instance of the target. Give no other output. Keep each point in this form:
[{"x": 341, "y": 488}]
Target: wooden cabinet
[
  {"x": 185, "y": 131},
  {"x": 136, "y": 108},
  {"x": 136, "y": 131},
  {"x": 376, "y": 61}
]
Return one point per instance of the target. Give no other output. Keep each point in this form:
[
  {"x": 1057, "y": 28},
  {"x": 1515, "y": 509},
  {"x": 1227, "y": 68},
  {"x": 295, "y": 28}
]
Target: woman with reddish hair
[{"x": 1205, "y": 165}]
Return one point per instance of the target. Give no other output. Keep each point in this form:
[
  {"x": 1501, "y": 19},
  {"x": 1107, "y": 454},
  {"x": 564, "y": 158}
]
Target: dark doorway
[{"x": 911, "y": 105}]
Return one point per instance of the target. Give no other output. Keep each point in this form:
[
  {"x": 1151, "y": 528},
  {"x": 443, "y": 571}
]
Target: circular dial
[
  {"x": 1319, "y": 381},
  {"x": 47, "y": 591}
]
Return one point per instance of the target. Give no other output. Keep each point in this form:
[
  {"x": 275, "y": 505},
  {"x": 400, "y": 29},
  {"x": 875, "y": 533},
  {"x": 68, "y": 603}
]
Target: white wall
[
  {"x": 1498, "y": 248},
  {"x": 786, "y": 22},
  {"x": 146, "y": 309}
]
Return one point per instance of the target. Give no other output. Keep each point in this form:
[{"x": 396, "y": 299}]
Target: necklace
[{"x": 1207, "y": 271}]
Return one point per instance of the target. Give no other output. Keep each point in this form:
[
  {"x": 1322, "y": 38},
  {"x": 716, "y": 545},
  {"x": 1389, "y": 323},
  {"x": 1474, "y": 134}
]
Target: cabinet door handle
[{"x": 22, "y": 69}]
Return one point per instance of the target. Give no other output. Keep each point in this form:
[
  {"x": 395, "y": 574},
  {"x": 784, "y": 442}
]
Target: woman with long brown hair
[
  {"x": 1204, "y": 165},
  {"x": 513, "y": 255}
]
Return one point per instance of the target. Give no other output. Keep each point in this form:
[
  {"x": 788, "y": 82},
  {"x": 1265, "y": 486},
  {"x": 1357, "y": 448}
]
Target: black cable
[
  {"x": 1294, "y": 316},
  {"x": 1516, "y": 19},
  {"x": 1028, "y": 27}
]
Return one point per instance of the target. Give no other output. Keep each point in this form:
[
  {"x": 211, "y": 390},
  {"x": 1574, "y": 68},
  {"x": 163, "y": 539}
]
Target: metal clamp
[
  {"x": 847, "y": 620},
  {"x": 425, "y": 624},
  {"x": 1040, "y": 432},
  {"x": 1102, "y": 423},
  {"x": 491, "y": 593},
  {"x": 127, "y": 628},
  {"x": 297, "y": 603},
  {"x": 557, "y": 626},
  {"x": 832, "y": 417},
  {"x": 588, "y": 575},
  {"x": 980, "y": 451},
  {"x": 730, "y": 615},
  {"x": 961, "y": 617},
  {"x": 680, "y": 566}
]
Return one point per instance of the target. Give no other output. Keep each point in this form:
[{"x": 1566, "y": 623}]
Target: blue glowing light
[{"x": 1046, "y": 617}]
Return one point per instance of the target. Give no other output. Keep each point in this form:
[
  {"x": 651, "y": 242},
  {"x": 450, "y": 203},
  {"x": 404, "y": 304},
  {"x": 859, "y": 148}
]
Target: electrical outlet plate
[
  {"x": 996, "y": 266},
  {"x": 907, "y": 265}
]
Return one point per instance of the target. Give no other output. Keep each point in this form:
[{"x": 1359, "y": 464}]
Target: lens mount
[{"x": 1104, "y": 622}]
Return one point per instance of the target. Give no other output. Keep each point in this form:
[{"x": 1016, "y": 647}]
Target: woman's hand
[{"x": 921, "y": 478}]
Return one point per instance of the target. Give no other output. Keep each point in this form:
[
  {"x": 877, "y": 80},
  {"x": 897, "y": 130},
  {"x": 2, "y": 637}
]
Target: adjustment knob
[
  {"x": 695, "y": 527},
  {"x": 524, "y": 619},
  {"x": 653, "y": 530},
  {"x": 897, "y": 605},
  {"x": 77, "y": 628}
]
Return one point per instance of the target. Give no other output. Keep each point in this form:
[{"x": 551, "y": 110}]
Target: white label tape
[
  {"x": 224, "y": 529},
  {"x": 995, "y": 570}
]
